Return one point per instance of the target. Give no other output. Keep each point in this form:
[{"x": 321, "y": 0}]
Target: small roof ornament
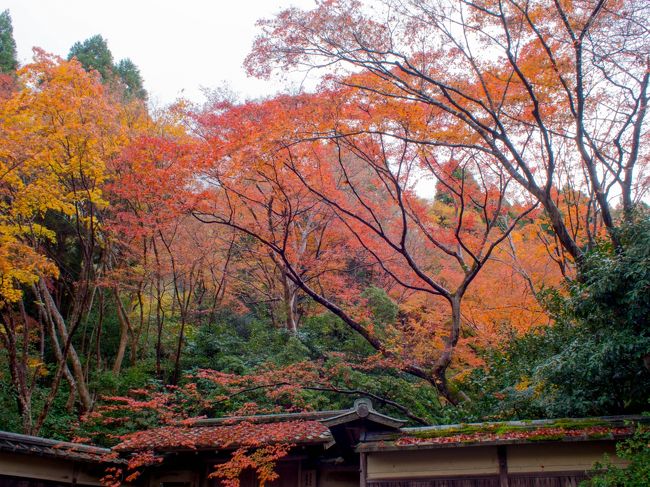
[
  {"x": 363, "y": 407},
  {"x": 363, "y": 410}
]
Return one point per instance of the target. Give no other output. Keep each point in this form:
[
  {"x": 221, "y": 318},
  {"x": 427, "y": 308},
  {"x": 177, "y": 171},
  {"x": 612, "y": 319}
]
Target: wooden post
[
  {"x": 75, "y": 473},
  {"x": 363, "y": 471},
  {"x": 502, "y": 455}
]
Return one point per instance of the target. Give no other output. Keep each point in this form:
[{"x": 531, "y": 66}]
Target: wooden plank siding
[
  {"x": 395, "y": 465},
  {"x": 57, "y": 471},
  {"x": 464, "y": 481},
  {"x": 568, "y": 479},
  {"x": 529, "y": 465}
]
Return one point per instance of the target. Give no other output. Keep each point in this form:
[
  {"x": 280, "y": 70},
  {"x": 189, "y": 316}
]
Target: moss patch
[{"x": 503, "y": 429}]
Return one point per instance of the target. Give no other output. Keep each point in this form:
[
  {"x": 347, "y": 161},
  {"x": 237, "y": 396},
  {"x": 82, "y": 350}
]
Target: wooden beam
[{"x": 502, "y": 455}]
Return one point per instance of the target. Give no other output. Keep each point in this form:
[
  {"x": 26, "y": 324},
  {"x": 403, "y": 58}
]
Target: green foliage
[
  {"x": 326, "y": 334},
  {"x": 60, "y": 422},
  {"x": 636, "y": 451},
  {"x": 8, "y": 59},
  {"x": 10, "y": 419},
  {"x": 384, "y": 310},
  {"x": 93, "y": 53},
  {"x": 130, "y": 76},
  {"x": 107, "y": 383},
  {"x": 239, "y": 344},
  {"x": 247, "y": 345},
  {"x": 594, "y": 359}
]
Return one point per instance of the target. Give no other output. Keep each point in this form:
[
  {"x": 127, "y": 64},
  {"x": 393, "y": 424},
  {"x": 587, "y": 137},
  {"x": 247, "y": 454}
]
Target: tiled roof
[
  {"x": 244, "y": 433},
  {"x": 35, "y": 445},
  {"x": 271, "y": 418}
]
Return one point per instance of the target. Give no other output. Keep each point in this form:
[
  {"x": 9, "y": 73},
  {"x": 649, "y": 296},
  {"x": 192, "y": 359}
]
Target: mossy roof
[{"x": 509, "y": 432}]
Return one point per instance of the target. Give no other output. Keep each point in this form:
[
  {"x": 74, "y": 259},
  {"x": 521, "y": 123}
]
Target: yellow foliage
[
  {"x": 523, "y": 384},
  {"x": 57, "y": 134}
]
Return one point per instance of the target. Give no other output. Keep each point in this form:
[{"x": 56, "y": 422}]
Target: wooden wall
[
  {"x": 301, "y": 472},
  {"x": 57, "y": 470},
  {"x": 539, "y": 465},
  {"x": 439, "y": 462}
]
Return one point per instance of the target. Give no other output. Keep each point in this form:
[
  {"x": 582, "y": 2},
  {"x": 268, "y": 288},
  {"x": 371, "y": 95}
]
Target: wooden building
[
  {"x": 515, "y": 454},
  {"x": 31, "y": 461},
  {"x": 346, "y": 448}
]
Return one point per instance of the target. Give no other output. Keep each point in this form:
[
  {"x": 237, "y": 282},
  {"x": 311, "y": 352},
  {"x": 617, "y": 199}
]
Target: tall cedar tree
[
  {"x": 132, "y": 79},
  {"x": 8, "y": 60},
  {"x": 93, "y": 53}
]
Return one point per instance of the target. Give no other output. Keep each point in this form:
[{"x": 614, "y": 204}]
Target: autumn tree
[
  {"x": 167, "y": 268},
  {"x": 307, "y": 228},
  {"x": 59, "y": 131},
  {"x": 261, "y": 284},
  {"x": 356, "y": 192},
  {"x": 557, "y": 94}
]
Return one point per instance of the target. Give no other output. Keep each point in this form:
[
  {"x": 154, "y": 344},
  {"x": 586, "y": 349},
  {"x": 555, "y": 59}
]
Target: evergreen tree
[
  {"x": 130, "y": 76},
  {"x": 93, "y": 53},
  {"x": 8, "y": 60}
]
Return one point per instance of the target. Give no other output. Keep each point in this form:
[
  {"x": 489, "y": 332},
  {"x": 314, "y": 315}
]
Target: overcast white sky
[{"x": 179, "y": 46}]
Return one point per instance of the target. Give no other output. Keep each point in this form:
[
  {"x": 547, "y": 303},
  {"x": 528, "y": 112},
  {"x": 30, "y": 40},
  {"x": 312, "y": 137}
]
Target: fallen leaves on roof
[
  {"x": 244, "y": 433},
  {"x": 537, "y": 434}
]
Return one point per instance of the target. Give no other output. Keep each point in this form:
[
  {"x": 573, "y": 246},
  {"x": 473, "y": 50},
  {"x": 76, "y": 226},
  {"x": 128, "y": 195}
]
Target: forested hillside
[{"x": 454, "y": 222}]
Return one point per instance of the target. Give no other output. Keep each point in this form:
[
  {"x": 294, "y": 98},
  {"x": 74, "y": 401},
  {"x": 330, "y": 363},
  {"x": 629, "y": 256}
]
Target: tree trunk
[
  {"x": 17, "y": 373},
  {"x": 289, "y": 299},
  {"x": 125, "y": 329},
  {"x": 179, "y": 349},
  {"x": 443, "y": 362},
  {"x": 58, "y": 353},
  {"x": 63, "y": 370},
  {"x": 100, "y": 322},
  {"x": 77, "y": 369},
  {"x": 135, "y": 335}
]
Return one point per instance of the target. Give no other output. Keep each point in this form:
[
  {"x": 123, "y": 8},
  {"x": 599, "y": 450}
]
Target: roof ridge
[
  {"x": 49, "y": 442},
  {"x": 268, "y": 418}
]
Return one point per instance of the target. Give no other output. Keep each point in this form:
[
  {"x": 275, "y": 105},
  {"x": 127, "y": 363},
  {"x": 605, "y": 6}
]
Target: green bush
[{"x": 636, "y": 451}]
